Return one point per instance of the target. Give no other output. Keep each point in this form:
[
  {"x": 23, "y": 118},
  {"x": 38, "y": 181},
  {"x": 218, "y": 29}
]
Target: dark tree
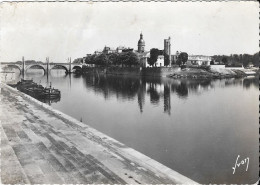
[
  {"x": 182, "y": 58},
  {"x": 153, "y": 56},
  {"x": 224, "y": 60},
  {"x": 101, "y": 59},
  {"x": 217, "y": 58},
  {"x": 132, "y": 59},
  {"x": 78, "y": 61},
  {"x": 122, "y": 58},
  {"x": 256, "y": 59},
  {"x": 128, "y": 58},
  {"x": 113, "y": 58},
  {"x": 247, "y": 59},
  {"x": 89, "y": 59}
]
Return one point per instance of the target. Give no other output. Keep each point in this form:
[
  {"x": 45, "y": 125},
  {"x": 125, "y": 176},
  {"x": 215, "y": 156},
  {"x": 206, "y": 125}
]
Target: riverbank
[
  {"x": 42, "y": 145},
  {"x": 197, "y": 73},
  {"x": 173, "y": 72},
  {"x": 131, "y": 71}
]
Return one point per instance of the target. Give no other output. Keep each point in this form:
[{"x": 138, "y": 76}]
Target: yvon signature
[{"x": 244, "y": 162}]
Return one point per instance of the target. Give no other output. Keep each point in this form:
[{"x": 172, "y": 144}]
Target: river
[{"x": 196, "y": 127}]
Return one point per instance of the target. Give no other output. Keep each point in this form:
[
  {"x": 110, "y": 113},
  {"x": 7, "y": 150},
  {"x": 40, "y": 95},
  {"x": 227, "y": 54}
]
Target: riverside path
[{"x": 42, "y": 145}]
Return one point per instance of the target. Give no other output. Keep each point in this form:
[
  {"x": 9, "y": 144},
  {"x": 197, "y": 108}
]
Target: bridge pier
[
  {"x": 23, "y": 67},
  {"x": 68, "y": 66},
  {"x": 70, "y": 70},
  {"x": 48, "y": 65}
]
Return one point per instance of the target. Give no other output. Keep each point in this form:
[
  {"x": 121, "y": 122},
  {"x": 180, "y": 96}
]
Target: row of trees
[
  {"x": 232, "y": 60},
  {"x": 28, "y": 62},
  {"x": 131, "y": 59},
  {"x": 124, "y": 59},
  {"x": 181, "y": 59},
  {"x": 78, "y": 61},
  {"x": 237, "y": 59}
]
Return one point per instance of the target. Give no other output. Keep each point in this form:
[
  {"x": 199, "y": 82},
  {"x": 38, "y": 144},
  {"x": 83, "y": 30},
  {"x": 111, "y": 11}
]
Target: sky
[{"x": 59, "y": 30}]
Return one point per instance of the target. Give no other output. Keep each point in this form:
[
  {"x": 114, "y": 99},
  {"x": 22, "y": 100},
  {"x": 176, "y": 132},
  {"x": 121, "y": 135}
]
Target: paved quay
[{"x": 40, "y": 145}]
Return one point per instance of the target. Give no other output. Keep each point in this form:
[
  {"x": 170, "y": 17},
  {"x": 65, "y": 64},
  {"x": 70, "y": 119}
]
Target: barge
[{"x": 37, "y": 91}]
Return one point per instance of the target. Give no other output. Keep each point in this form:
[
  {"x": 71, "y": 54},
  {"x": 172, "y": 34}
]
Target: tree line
[
  {"x": 237, "y": 59},
  {"x": 131, "y": 59},
  {"x": 123, "y": 59},
  {"x": 28, "y": 62}
]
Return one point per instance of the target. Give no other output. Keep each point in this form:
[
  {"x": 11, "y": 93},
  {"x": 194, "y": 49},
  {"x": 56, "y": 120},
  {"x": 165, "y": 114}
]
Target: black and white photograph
[{"x": 130, "y": 92}]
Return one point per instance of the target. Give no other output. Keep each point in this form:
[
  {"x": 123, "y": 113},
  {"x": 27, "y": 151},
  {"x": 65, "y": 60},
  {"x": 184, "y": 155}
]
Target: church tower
[
  {"x": 167, "y": 48},
  {"x": 141, "y": 44}
]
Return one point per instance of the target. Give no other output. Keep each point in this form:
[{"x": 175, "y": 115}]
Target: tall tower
[
  {"x": 141, "y": 44},
  {"x": 167, "y": 48}
]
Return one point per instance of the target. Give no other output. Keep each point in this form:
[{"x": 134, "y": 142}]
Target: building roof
[{"x": 141, "y": 40}]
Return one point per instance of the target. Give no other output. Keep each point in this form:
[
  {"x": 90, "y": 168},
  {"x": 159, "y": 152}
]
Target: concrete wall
[
  {"x": 159, "y": 71},
  {"x": 215, "y": 67},
  {"x": 133, "y": 161},
  {"x": 129, "y": 71},
  {"x": 133, "y": 71}
]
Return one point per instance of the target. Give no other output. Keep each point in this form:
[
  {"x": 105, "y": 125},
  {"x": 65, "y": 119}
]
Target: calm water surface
[{"x": 197, "y": 128}]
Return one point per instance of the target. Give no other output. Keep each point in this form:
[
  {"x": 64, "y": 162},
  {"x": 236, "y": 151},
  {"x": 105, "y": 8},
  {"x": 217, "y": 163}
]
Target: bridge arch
[
  {"x": 36, "y": 66},
  {"x": 77, "y": 68},
  {"x": 13, "y": 66},
  {"x": 60, "y": 66}
]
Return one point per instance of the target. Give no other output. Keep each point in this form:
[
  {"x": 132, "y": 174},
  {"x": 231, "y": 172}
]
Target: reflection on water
[
  {"x": 251, "y": 81},
  {"x": 129, "y": 87},
  {"x": 196, "y": 127},
  {"x": 50, "y": 101}
]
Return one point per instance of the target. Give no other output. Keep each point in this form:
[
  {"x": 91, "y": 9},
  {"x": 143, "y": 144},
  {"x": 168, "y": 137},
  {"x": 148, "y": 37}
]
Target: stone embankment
[
  {"x": 42, "y": 145},
  {"x": 131, "y": 71},
  {"x": 196, "y": 73}
]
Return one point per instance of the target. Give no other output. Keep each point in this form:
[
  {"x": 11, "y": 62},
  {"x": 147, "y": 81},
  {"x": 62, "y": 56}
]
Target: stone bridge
[{"x": 47, "y": 67}]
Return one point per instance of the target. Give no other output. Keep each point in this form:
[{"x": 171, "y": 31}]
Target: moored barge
[{"x": 36, "y": 90}]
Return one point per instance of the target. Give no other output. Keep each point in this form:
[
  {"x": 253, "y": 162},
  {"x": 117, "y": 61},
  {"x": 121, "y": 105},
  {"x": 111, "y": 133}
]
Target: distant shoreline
[
  {"x": 176, "y": 73},
  {"x": 197, "y": 73},
  {"x": 6, "y": 72}
]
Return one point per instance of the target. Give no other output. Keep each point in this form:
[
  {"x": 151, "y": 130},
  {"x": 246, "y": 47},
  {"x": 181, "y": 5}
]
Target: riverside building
[
  {"x": 198, "y": 60},
  {"x": 144, "y": 55}
]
